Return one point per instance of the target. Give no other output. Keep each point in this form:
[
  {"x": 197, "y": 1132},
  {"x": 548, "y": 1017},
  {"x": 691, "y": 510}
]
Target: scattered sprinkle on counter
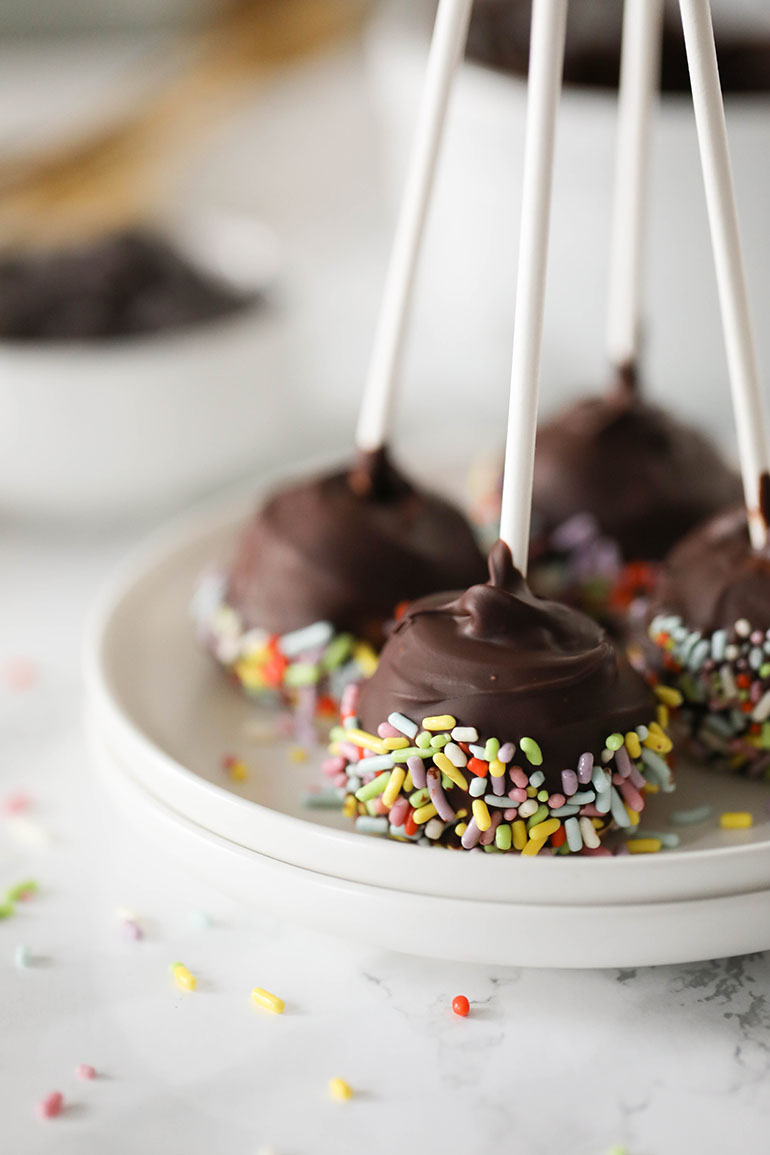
[
  {"x": 51, "y": 1106},
  {"x": 182, "y": 977},
  {"x": 85, "y": 1072},
  {"x": 735, "y": 820},
  {"x": 15, "y": 803},
  {"x": 460, "y": 1005},
  {"x": 268, "y": 1001},
  {"x": 339, "y": 1090},
  {"x": 200, "y": 919},
  {"x": 644, "y": 845},
  {"x": 22, "y": 959},
  {"x": 297, "y": 754},
  {"x": 235, "y": 768}
]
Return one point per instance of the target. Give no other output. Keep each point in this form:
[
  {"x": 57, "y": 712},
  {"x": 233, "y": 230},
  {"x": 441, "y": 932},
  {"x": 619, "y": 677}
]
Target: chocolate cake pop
[
  {"x": 321, "y": 568},
  {"x": 618, "y": 482},
  {"x": 709, "y": 639},
  {"x": 501, "y": 720}
]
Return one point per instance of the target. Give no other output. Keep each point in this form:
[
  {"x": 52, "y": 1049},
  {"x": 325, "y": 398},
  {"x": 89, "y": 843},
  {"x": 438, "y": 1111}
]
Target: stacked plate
[{"x": 161, "y": 719}]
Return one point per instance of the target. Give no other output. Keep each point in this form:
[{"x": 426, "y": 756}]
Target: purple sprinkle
[
  {"x": 569, "y": 782},
  {"x": 585, "y": 768},
  {"x": 506, "y": 752},
  {"x": 574, "y": 532},
  {"x": 637, "y": 778},
  {"x": 438, "y": 797},
  {"x": 471, "y": 835},
  {"x": 498, "y": 785},
  {"x": 417, "y": 768},
  {"x": 488, "y": 837},
  {"x": 132, "y": 930},
  {"x": 623, "y": 762}
]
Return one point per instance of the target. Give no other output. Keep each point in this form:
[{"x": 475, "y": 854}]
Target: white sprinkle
[
  {"x": 455, "y": 755},
  {"x": 762, "y": 708},
  {"x": 400, "y": 722},
  {"x": 742, "y": 628},
  {"x": 308, "y": 638},
  {"x": 590, "y": 837},
  {"x": 465, "y": 734}
]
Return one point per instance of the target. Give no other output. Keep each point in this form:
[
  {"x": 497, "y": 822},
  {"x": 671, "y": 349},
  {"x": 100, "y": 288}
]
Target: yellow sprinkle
[
  {"x": 669, "y": 696},
  {"x": 297, "y": 754},
  {"x": 497, "y": 768},
  {"x": 644, "y": 845},
  {"x": 545, "y": 829},
  {"x": 461, "y": 828},
  {"x": 664, "y": 716},
  {"x": 633, "y": 815},
  {"x": 238, "y": 771},
  {"x": 249, "y": 675},
  {"x": 658, "y": 742},
  {"x": 366, "y": 658},
  {"x": 395, "y": 743},
  {"x": 519, "y": 832},
  {"x": 462, "y": 812},
  {"x": 736, "y": 820},
  {"x": 533, "y": 846},
  {"x": 531, "y": 792},
  {"x": 408, "y": 783},
  {"x": 393, "y": 788},
  {"x": 598, "y": 823},
  {"x": 183, "y": 978},
  {"x": 370, "y": 741},
  {"x": 439, "y": 722},
  {"x": 651, "y": 788},
  {"x": 452, "y": 772},
  {"x": 350, "y": 806},
  {"x": 339, "y": 1090},
  {"x": 633, "y": 745},
  {"x": 481, "y": 814},
  {"x": 262, "y": 998},
  {"x": 424, "y": 813}
]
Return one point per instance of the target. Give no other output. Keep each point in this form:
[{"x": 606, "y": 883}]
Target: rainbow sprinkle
[
  {"x": 439, "y": 782},
  {"x": 722, "y": 683},
  {"x": 306, "y": 670}
]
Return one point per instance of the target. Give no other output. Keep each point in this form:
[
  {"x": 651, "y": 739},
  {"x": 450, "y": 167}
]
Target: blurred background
[{"x": 197, "y": 199}]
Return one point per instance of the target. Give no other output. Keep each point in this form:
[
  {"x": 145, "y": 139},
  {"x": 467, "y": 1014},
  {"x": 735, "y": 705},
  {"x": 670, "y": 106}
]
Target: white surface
[
  {"x": 748, "y": 397},
  {"x": 663, "y": 1060},
  {"x": 447, "y": 47},
  {"x": 162, "y": 714},
  {"x": 638, "y": 104},
  {"x": 549, "y": 27}
]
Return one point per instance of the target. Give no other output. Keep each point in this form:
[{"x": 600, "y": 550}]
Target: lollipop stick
[
  {"x": 448, "y": 42},
  {"x": 639, "y": 80},
  {"x": 546, "y": 59},
  {"x": 748, "y": 403}
]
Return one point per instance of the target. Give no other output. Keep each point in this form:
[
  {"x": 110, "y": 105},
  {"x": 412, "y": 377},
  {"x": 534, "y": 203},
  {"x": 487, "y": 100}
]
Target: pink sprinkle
[
  {"x": 590, "y": 811},
  {"x": 132, "y": 930},
  {"x": 557, "y": 800},
  {"x": 379, "y": 806},
  {"x": 385, "y": 730},
  {"x": 510, "y": 815},
  {"x": 631, "y": 796},
  {"x": 597, "y": 852},
  {"x": 85, "y": 1071},
  {"x": 15, "y": 803},
  {"x": 518, "y": 777},
  {"x": 51, "y": 1106},
  {"x": 19, "y": 674},
  {"x": 340, "y": 780},
  {"x": 333, "y": 766},
  {"x": 517, "y": 795},
  {"x": 349, "y": 751},
  {"x": 399, "y": 811},
  {"x": 349, "y": 699}
]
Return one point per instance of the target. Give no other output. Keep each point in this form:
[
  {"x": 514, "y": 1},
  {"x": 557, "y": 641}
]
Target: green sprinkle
[
  {"x": 764, "y": 670},
  {"x": 21, "y": 890},
  {"x": 503, "y": 836},
  {"x": 615, "y": 741},
  {"x": 338, "y": 650},
  {"x": 540, "y": 815},
  {"x": 491, "y": 749},
  {"x": 542, "y": 795},
  {"x": 446, "y": 783},
  {"x": 423, "y": 739},
  {"x": 439, "y": 741},
  {"x": 419, "y": 798},
  {"x": 669, "y": 841},
  {"x": 301, "y": 674},
  {"x": 373, "y": 788},
  {"x": 532, "y": 751},
  {"x": 691, "y": 817},
  {"x": 410, "y": 752}
]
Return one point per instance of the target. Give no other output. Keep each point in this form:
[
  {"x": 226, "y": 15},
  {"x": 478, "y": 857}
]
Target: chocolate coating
[
  {"x": 713, "y": 578},
  {"x": 647, "y": 479},
  {"x": 347, "y": 547},
  {"x": 513, "y": 665}
]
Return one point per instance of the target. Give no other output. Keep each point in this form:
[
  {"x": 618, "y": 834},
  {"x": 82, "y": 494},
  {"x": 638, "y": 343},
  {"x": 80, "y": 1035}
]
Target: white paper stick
[
  {"x": 748, "y": 402},
  {"x": 546, "y": 60},
  {"x": 449, "y": 36},
  {"x": 639, "y": 83}
]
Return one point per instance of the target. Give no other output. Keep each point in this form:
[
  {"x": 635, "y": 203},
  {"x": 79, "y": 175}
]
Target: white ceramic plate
[{"x": 167, "y": 716}]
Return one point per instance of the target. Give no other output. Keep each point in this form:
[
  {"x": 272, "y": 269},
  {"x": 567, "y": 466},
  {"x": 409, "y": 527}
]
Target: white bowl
[{"x": 127, "y": 426}]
